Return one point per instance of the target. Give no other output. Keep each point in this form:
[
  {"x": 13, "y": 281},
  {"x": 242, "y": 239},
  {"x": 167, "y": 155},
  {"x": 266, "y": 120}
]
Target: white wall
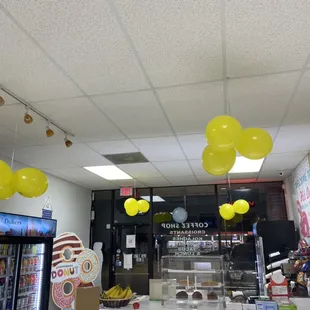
[{"x": 71, "y": 207}]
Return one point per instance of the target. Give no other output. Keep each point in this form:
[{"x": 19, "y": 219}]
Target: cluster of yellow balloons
[
  {"x": 162, "y": 217},
  {"x": 228, "y": 211},
  {"x": 225, "y": 135},
  {"x": 133, "y": 207},
  {"x": 28, "y": 182}
]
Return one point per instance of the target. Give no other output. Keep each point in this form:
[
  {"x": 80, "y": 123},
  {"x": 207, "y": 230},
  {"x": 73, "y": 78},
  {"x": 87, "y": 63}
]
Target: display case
[{"x": 193, "y": 282}]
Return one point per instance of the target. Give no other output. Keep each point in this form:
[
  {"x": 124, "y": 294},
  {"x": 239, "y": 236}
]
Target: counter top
[{"x": 145, "y": 304}]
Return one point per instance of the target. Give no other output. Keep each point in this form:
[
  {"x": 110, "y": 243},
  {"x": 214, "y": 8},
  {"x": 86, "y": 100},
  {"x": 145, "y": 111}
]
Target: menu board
[
  {"x": 26, "y": 226},
  {"x": 301, "y": 179}
]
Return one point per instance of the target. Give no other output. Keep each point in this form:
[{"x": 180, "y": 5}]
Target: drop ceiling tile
[
  {"x": 113, "y": 147},
  {"x": 25, "y": 70},
  {"x": 138, "y": 114},
  {"x": 183, "y": 180},
  {"x": 141, "y": 170},
  {"x": 274, "y": 175},
  {"x": 189, "y": 108},
  {"x": 160, "y": 149},
  {"x": 209, "y": 179},
  {"x": 193, "y": 145},
  {"x": 155, "y": 182},
  {"x": 130, "y": 183},
  {"x": 243, "y": 176},
  {"x": 178, "y": 41},
  {"x": 292, "y": 139},
  {"x": 58, "y": 156},
  {"x": 197, "y": 167},
  {"x": 73, "y": 30},
  {"x": 81, "y": 117},
  {"x": 173, "y": 168},
  {"x": 287, "y": 161},
  {"x": 265, "y": 37},
  {"x": 261, "y": 101},
  {"x": 299, "y": 112}
]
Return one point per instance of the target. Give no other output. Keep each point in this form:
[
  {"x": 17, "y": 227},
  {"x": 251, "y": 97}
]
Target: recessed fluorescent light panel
[
  {"x": 244, "y": 165},
  {"x": 155, "y": 198},
  {"x": 110, "y": 172}
]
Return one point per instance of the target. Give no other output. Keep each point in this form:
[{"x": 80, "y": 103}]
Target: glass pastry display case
[{"x": 193, "y": 282}]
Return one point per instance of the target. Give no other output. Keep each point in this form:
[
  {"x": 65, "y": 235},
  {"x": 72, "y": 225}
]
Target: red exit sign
[{"x": 126, "y": 191}]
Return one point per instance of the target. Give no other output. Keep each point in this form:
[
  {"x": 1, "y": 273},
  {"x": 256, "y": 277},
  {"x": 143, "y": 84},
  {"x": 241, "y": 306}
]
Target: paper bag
[{"x": 87, "y": 298}]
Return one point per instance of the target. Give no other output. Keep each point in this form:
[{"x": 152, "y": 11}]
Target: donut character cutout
[
  {"x": 66, "y": 248},
  {"x": 89, "y": 266},
  {"x": 63, "y": 293}
]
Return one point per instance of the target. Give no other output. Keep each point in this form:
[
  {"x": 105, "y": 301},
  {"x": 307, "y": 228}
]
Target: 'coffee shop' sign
[{"x": 194, "y": 228}]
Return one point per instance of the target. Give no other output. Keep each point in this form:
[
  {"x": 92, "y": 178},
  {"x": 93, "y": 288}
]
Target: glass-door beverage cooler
[{"x": 26, "y": 245}]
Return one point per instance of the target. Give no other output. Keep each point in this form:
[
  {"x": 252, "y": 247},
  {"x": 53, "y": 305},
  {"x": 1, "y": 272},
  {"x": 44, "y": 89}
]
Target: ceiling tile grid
[
  {"x": 175, "y": 41},
  {"x": 266, "y": 36},
  {"x": 72, "y": 31},
  {"x": 145, "y": 76}
]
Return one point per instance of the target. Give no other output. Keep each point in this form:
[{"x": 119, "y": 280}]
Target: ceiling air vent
[{"x": 126, "y": 158}]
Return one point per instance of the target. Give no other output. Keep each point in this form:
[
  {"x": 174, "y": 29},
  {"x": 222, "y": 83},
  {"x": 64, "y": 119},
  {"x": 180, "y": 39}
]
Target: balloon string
[
  {"x": 229, "y": 188},
  {"x": 14, "y": 145},
  {"x": 185, "y": 202}
]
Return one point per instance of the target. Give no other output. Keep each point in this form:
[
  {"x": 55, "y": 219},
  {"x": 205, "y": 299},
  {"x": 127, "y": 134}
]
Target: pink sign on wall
[{"x": 301, "y": 178}]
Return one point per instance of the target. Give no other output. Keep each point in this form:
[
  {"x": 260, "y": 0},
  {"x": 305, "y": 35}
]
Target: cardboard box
[{"x": 87, "y": 298}]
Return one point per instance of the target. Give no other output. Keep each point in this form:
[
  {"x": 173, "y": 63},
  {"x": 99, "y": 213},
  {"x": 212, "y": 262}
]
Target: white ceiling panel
[
  {"x": 261, "y": 101},
  {"x": 266, "y": 36},
  {"x": 141, "y": 170},
  {"x": 292, "y": 139},
  {"x": 160, "y": 149},
  {"x": 190, "y": 108},
  {"x": 155, "y": 182},
  {"x": 113, "y": 147},
  {"x": 137, "y": 114},
  {"x": 58, "y": 156},
  {"x": 7, "y": 99},
  {"x": 274, "y": 175},
  {"x": 193, "y": 145},
  {"x": 25, "y": 70},
  {"x": 173, "y": 168},
  {"x": 81, "y": 117},
  {"x": 178, "y": 41},
  {"x": 183, "y": 180},
  {"x": 197, "y": 167},
  {"x": 287, "y": 161},
  {"x": 209, "y": 179},
  {"x": 130, "y": 183},
  {"x": 84, "y": 38},
  {"x": 299, "y": 112}
]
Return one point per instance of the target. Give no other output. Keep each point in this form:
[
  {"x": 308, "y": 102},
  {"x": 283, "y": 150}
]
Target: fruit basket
[
  {"x": 115, "y": 303},
  {"x": 116, "y": 297}
]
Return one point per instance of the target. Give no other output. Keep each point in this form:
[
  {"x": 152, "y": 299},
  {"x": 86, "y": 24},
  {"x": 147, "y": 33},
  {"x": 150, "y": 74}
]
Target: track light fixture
[
  {"x": 27, "y": 117},
  {"x": 68, "y": 143},
  {"x": 49, "y": 132}
]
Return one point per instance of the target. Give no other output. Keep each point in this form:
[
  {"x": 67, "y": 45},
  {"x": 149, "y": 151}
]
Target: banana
[
  {"x": 124, "y": 293},
  {"x": 111, "y": 290},
  {"x": 129, "y": 293},
  {"x": 116, "y": 293}
]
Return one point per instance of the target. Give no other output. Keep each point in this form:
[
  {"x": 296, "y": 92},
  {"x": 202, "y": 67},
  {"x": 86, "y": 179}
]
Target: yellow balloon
[
  {"x": 255, "y": 143},
  {"x": 143, "y": 206},
  {"x": 8, "y": 190},
  {"x": 6, "y": 173},
  {"x": 31, "y": 182},
  {"x": 223, "y": 132},
  {"x": 132, "y": 210},
  {"x": 241, "y": 206},
  {"x": 129, "y": 203},
  {"x": 227, "y": 211},
  {"x": 218, "y": 163}
]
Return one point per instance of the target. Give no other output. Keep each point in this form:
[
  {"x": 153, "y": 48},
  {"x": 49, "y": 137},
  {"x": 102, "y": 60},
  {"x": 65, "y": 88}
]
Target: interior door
[{"x": 130, "y": 263}]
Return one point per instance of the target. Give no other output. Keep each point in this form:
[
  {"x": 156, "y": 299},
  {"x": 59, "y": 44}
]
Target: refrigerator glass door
[
  {"x": 7, "y": 271},
  {"x": 31, "y": 277}
]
